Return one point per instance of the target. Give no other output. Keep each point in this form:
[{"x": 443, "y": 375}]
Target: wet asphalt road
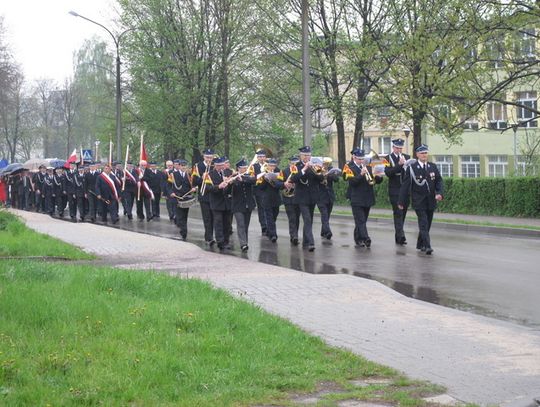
[{"x": 496, "y": 276}]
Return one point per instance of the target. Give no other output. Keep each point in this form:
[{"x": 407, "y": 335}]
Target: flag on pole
[
  {"x": 82, "y": 157},
  {"x": 143, "y": 155},
  {"x": 71, "y": 159}
]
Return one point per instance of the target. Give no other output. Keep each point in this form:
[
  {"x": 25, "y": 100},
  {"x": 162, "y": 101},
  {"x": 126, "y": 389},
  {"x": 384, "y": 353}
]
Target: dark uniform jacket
[
  {"x": 104, "y": 189},
  {"x": 180, "y": 186},
  {"x": 198, "y": 173},
  {"x": 360, "y": 191},
  {"x": 219, "y": 198},
  {"x": 243, "y": 198},
  {"x": 154, "y": 181},
  {"x": 422, "y": 185},
  {"x": 38, "y": 179},
  {"x": 90, "y": 181},
  {"x": 326, "y": 188},
  {"x": 59, "y": 184},
  {"x": 306, "y": 186},
  {"x": 395, "y": 174},
  {"x": 271, "y": 195},
  {"x": 74, "y": 183}
]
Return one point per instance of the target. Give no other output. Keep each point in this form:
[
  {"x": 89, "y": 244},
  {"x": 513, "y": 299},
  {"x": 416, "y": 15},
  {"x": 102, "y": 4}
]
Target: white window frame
[
  {"x": 497, "y": 165},
  {"x": 524, "y": 116},
  {"x": 527, "y": 43},
  {"x": 470, "y": 166},
  {"x": 492, "y": 120},
  {"x": 445, "y": 163},
  {"x": 385, "y": 145}
]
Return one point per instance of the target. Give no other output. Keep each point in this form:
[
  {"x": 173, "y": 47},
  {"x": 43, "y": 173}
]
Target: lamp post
[
  {"x": 96, "y": 158},
  {"x": 514, "y": 129},
  {"x": 116, "y": 40},
  {"x": 407, "y": 132},
  {"x": 305, "y": 76}
]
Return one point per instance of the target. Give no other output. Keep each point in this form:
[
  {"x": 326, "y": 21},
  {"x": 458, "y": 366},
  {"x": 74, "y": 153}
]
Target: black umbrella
[{"x": 11, "y": 167}]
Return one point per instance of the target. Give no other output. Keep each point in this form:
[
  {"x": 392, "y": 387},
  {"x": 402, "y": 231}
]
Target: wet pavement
[{"x": 483, "y": 273}]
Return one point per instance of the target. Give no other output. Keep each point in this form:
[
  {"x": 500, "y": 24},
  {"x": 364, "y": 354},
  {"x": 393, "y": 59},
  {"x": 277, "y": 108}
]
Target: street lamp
[
  {"x": 96, "y": 158},
  {"x": 306, "y": 103},
  {"x": 407, "y": 132},
  {"x": 116, "y": 40}
]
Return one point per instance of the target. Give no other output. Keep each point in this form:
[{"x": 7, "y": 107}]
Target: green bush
[{"x": 513, "y": 196}]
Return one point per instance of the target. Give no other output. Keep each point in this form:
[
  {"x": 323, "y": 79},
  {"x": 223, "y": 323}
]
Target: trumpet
[{"x": 368, "y": 176}]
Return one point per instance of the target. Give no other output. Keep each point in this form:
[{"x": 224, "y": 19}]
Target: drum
[{"x": 187, "y": 203}]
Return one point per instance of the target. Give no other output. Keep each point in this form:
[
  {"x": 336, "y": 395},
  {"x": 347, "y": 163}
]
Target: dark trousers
[
  {"x": 242, "y": 226},
  {"x": 40, "y": 202},
  {"x": 155, "y": 204},
  {"x": 112, "y": 209},
  {"x": 208, "y": 221},
  {"x": 425, "y": 217},
  {"x": 49, "y": 203},
  {"x": 293, "y": 216},
  {"x": 271, "y": 214},
  {"x": 326, "y": 211},
  {"x": 260, "y": 211},
  {"x": 92, "y": 206},
  {"x": 307, "y": 218},
  {"x": 399, "y": 218},
  {"x": 129, "y": 197},
  {"x": 61, "y": 203},
  {"x": 222, "y": 227},
  {"x": 75, "y": 202},
  {"x": 360, "y": 214},
  {"x": 171, "y": 207},
  {"x": 144, "y": 201},
  {"x": 182, "y": 220}
]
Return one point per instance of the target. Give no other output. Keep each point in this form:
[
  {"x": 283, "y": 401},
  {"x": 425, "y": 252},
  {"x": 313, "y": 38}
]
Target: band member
[
  {"x": 107, "y": 193},
  {"x": 362, "y": 195},
  {"x": 200, "y": 175},
  {"x": 306, "y": 194},
  {"x": 327, "y": 196},
  {"x": 219, "y": 189},
  {"x": 243, "y": 202},
  {"x": 144, "y": 192},
  {"x": 38, "y": 180},
  {"x": 269, "y": 184},
  {"x": 395, "y": 173},
  {"x": 59, "y": 190},
  {"x": 291, "y": 208},
  {"x": 154, "y": 182},
  {"x": 180, "y": 189},
  {"x": 48, "y": 191},
  {"x": 256, "y": 170},
  {"x": 170, "y": 167},
  {"x": 129, "y": 189},
  {"x": 74, "y": 191},
  {"x": 90, "y": 179},
  {"x": 424, "y": 184},
  {"x": 118, "y": 172}
]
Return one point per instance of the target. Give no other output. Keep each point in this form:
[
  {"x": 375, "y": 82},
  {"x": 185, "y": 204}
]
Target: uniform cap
[
  {"x": 398, "y": 142},
  {"x": 305, "y": 150},
  {"x": 358, "y": 152},
  {"x": 422, "y": 148},
  {"x": 242, "y": 163}
]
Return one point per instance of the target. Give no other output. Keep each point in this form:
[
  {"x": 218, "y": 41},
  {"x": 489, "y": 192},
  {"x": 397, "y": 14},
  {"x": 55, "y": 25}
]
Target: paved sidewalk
[{"x": 478, "y": 359}]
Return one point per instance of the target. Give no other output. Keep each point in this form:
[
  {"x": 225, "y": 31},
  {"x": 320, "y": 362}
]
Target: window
[
  {"x": 367, "y": 144},
  {"x": 470, "y": 166},
  {"x": 384, "y": 111},
  {"x": 526, "y": 167},
  {"x": 525, "y": 114},
  {"x": 496, "y": 115},
  {"x": 497, "y": 165},
  {"x": 445, "y": 164},
  {"x": 385, "y": 145},
  {"x": 495, "y": 52},
  {"x": 525, "y": 43},
  {"x": 470, "y": 123}
]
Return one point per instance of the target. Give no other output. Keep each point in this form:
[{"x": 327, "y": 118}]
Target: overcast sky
[{"x": 43, "y": 36}]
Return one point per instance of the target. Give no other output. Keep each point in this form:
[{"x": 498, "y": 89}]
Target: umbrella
[
  {"x": 12, "y": 167},
  {"x": 3, "y": 163},
  {"x": 34, "y": 163},
  {"x": 55, "y": 163}
]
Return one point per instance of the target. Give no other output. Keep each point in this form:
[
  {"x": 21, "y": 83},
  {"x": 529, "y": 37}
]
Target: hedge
[{"x": 513, "y": 196}]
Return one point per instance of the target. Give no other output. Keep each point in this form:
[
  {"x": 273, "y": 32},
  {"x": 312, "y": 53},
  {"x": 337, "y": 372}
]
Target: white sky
[{"x": 43, "y": 36}]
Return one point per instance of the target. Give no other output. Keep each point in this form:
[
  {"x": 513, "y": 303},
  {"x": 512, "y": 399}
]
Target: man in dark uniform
[
  {"x": 145, "y": 194},
  {"x": 424, "y": 184},
  {"x": 219, "y": 189},
  {"x": 59, "y": 182},
  {"x": 48, "y": 191},
  {"x": 24, "y": 188},
  {"x": 327, "y": 196},
  {"x": 306, "y": 195},
  {"x": 180, "y": 189},
  {"x": 129, "y": 189},
  {"x": 270, "y": 185},
  {"x": 291, "y": 208},
  {"x": 154, "y": 182},
  {"x": 170, "y": 167},
  {"x": 395, "y": 173},
  {"x": 362, "y": 195},
  {"x": 200, "y": 175},
  {"x": 74, "y": 189},
  {"x": 243, "y": 202},
  {"x": 107, "y": 193},
  {"x": 90, "y": 179},
  {"x": 39, "y": 180},
  {"x": 256, "y": 170}
]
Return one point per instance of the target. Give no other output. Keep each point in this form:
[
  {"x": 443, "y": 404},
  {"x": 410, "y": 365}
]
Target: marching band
[{"x": 223, "y": 193}]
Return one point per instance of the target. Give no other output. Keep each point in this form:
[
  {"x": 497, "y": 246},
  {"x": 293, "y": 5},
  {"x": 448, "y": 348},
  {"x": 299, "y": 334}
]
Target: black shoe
[
  {"x": 130, "y": 217},
  {"x": 359, "y": 243},
  {"x": 273, "y": 239},
  {"x": 211, "y": 242},
  {"x": 115, "y": 221},
  {"x": 263, "y": 232},
  {"x": 294, "y": 241},
  {"x": 429, "y": 250},
  {"x": 245, "y": 248},
  {"x": 423, "y": 249},
  {"x": 368, "y": 242},
  {"x": 329, "y": 235},
  {"x": 183, "y": 238},
  {"x": 149, "y": 219},
  {"x": 311, "y": 248}
]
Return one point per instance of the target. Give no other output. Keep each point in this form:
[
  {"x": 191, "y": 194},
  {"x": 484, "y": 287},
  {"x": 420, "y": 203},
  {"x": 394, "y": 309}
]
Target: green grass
[
  {"x": 19, "y": 241},
  {"x": 72, "y": 335}
]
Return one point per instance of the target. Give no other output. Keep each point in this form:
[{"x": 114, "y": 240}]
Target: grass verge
[{"x": 19, "y": 241}]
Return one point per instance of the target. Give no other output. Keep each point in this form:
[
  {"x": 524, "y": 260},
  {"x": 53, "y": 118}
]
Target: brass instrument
[
  {"x": 288, "y": 193},
  {"x": 368, "y": 176}
]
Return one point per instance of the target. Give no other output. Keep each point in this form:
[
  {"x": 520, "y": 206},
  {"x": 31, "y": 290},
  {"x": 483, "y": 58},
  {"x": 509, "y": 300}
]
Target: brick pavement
[{"x": 478, "y": 359}]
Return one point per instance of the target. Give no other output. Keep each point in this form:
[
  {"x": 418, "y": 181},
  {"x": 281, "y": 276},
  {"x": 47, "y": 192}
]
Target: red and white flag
[{"x": 72, "y": 159}]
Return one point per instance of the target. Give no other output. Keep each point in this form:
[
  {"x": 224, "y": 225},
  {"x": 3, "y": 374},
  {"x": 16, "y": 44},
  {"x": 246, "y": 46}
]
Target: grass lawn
[{"x": 73, "y": 334}]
